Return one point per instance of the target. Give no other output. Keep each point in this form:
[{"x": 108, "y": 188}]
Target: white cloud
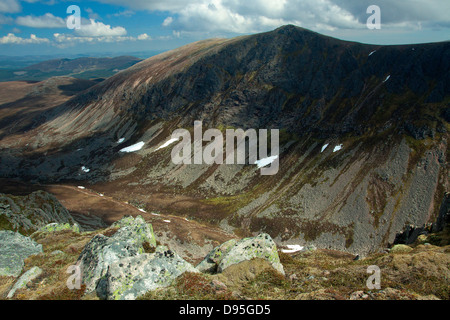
[
  {"x": 10, "y": 6},
  {"x": 243, "y": 16},
  {"x": 144, "y": 36},
  {"x": 92, "y": 14},
  {"x": 99, "y": 29},
  {"x": 46, "y": 21},
  {"x": 12, "y": 39},
  {"x": 167, "y": 22},
  {"x": 63, "y": 40}
]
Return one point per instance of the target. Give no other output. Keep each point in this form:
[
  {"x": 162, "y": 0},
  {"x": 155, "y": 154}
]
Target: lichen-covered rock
[
  {"x": 52, "y": 227},
  {"x": 142, "y": 231},
  {"x": 27, "y": 214},
  {"x": 232, "y": 252},
  {"x": 26, "y": 278},
  {"x": 14, "y": 249},
  {"x": 400, "y": 248},
  {"x": 131, "y": 277},
  {"x": 102, "y": 251},
  {"x": 212, "y": 260}
]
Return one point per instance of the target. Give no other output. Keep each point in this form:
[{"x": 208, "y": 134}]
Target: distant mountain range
[{"x": 81, "y": 68}]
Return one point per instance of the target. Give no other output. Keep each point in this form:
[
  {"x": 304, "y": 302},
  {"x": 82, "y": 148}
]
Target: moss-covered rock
[
  {"x": 400, "y": 248},
  {"x": 132, "y": 277},
  {"x": 232, "y": 252},
  {"x": 102, "y": 251},
  {"x": 52, "y": 227},
  {"x": 27, "y": 277}
]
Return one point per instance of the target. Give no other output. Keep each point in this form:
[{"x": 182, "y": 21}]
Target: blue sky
[{"x": 112, "y": 27}]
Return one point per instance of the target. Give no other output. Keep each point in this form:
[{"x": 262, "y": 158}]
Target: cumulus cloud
[
  {"x": 243, "y": 16},
  {"x": 144, "y": 36},
  {"x": 99, "y": 29},
  {"x": 46, "y": 21},
  {"x": 13, "y": 39}
]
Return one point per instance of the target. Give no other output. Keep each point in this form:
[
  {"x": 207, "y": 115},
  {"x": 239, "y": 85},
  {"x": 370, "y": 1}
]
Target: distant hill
[{"x": 81, "y": 68}]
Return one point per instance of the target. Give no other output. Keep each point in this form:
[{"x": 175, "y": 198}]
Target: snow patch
[
  {"x": 167, "y": 143},
  {"x": 292, "y": 248},
  {"x": 265, "y": 161},
  {"x": 168, "y": 221},
  {"x": 81, "y": 187},
  {"x": 135, "y": 147},
  {"x": 85, "y": 169},
  {"x": 142, "y": 210},
  {"x": 372, "y": 52},
  {"x": 387, "y": 78},
  {"x": 324, "y": 147},
  {"x": 337, "y": 148},
  {"x": 120, "y": 140}
]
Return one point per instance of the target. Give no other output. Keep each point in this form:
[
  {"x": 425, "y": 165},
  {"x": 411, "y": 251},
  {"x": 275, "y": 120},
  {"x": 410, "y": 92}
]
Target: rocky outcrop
[
  {"x": 14, "y": 249},
  {"x": 443, "y": 219},
  {"x": 26, "y": 278},
  {"x": 53, "y": 227},
  {"x": 29, "y": 213},
  {"x": 131, "y": 277},
  {"x": 102, "y": 251},
  {"x": 233, "y": 252}
]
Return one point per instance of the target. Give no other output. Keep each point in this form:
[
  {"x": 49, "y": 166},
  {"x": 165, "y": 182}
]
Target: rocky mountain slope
[{"x": 386, "y": 107}]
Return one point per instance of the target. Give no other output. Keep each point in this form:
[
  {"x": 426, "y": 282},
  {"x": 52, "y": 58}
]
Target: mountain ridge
[{"x": 386, "y": 105}]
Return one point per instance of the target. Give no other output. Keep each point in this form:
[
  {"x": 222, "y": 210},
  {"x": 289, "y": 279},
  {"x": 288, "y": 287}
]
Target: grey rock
[
  {"x": 232, "y": 252},
  {"x": 26, "y": 278},
  {"x": 14, "y": 249},
  {"x": 102, "y": 251},
  {"x": 213, "y": 258},
  {"x": 29, "y": 213},
  {"x": 52, "y": 227},
  {"x": 131, "y": 277}
]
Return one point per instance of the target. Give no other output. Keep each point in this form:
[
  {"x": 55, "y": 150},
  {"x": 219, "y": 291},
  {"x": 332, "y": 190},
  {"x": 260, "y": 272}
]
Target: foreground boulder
[
  {"x": 102, "y": 251},
  {"x": 27, "y": 214},
  {"x": 130, "y": 278},
  {"x": 14, "y": 249},
  {"x": 233, "y": 252},
  {"x": 26, "y": 278}
]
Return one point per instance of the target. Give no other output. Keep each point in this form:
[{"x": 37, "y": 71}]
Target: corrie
[{"x": 236, "y": 143}]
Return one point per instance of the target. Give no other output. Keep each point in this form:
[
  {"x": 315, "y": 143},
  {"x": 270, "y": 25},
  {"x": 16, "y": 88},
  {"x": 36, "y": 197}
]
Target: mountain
[
  {"x": 82, "y": 68},
  {"x": 363, "y": 136}
]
